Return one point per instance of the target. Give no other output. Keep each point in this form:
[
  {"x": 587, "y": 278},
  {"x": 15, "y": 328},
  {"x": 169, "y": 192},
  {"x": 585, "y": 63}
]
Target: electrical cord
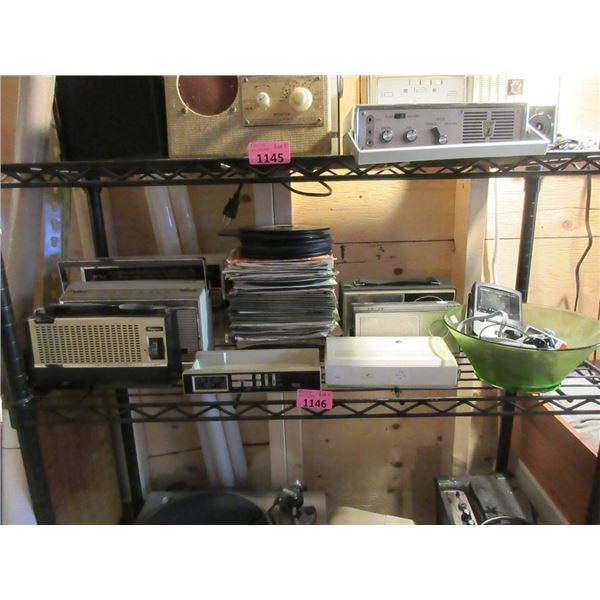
[
  {"x": 233, "y": 204},
  {"x": 588, "y": 227},
  {"x": 311, "y": 194},
  {"x": 497, "y": 520}
]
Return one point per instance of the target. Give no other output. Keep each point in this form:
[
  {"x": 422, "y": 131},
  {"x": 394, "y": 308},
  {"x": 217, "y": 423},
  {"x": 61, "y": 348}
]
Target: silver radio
[
  {"x": 217, "y": 116},
  {"x": 75, "y": 345},
  {"x": 384, "y": 291},
  {"x": 188, "y": 299},
  {"x": 408, "y": 132}
]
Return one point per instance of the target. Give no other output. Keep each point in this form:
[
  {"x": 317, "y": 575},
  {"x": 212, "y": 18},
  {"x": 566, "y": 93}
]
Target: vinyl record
[{"x": 281, "y": 242}]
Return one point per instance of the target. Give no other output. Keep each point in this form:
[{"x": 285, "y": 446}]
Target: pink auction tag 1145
[
  {"x": 269, "y": 153},
  {"x": 321, "y": 399}
]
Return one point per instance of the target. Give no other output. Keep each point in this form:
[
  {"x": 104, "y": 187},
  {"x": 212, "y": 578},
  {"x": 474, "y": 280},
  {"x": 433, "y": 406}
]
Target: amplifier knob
[
  {"x": 410, "y": 136},
  {"x": 301, "y": 99},
  {"x": 386, "y": 135},
  {"x": 263, "y": 100},
  {"x": 440, "y": 138}
]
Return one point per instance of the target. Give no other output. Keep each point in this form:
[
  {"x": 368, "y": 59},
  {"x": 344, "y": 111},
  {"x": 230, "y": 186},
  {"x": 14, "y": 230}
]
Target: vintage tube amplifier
[
  {"x": 217, "y": 116},
  {"x": 77, "y": 345}
]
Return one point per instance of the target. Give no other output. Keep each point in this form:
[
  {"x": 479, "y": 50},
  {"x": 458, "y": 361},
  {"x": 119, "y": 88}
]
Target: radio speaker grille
[{"x": 87, "y": 344}]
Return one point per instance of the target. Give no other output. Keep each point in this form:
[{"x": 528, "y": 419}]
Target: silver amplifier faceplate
[{"x": 397, "y": 126}]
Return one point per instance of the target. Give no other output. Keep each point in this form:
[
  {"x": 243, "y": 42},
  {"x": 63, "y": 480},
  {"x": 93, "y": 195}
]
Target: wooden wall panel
[{"x": 386, "y": 466}]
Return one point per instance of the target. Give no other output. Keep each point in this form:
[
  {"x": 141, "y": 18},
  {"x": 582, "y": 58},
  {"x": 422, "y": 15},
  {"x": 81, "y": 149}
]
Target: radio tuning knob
[
  {"x": 263, "y": 100},
  {"x": 440, "y": 138},
  {"x": 410, "y": 136},
  {"x": 301, "y": 99},
  {"x": 386, "y": 135}
]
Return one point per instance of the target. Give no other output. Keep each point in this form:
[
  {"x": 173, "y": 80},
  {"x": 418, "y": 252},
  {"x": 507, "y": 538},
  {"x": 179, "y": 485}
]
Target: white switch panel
[{"x": 418, "y": 89}]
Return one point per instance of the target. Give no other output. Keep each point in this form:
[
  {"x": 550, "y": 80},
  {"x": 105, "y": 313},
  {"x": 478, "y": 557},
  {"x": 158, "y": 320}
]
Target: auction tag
[
  {"x": 322, "y": 399},
  {"x": 269, "y": 153}
]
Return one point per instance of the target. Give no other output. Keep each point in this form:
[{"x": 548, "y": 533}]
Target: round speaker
[{"x": 207, "y": 95}]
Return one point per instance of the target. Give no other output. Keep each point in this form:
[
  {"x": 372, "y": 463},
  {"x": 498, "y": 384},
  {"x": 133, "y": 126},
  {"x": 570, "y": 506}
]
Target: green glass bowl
[{"x": 529, "y": 369}]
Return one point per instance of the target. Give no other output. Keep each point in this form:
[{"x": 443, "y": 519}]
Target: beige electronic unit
[
  {"x": 218, "y": 116},
  {"x": 403, "y": 319},
  {"x": 85, "y": 345},
  {"x": 189, "y": 300}
]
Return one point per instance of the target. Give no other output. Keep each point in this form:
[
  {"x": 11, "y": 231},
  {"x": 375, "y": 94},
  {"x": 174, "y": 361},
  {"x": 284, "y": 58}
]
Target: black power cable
[
  {"x": 311, "y": 194},
  {"x": 588, "y": 203}
]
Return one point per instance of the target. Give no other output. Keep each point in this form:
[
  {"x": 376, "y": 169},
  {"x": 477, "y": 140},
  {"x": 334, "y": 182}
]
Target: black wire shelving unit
[
  {"x": 470, "y": 398},
  {"x": 335, "y": 168},
  {"x": 30, "y": 409}
]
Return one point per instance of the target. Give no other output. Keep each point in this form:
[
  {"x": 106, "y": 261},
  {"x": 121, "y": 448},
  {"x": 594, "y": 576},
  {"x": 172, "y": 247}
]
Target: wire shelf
[
  {"x": 235, "y": 171},
  {"x": 470, "y": 398}
]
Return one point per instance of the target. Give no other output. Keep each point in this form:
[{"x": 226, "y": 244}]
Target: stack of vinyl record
[{"x": 282, "y": 286}]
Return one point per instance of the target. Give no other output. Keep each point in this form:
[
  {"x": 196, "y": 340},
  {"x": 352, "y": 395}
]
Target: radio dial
[
  {"x": 263, "y": 100},
  {"x": 301, "y": 99},
  {"x": 386, "y": 135},
  {"x": 410, "y": 136}
]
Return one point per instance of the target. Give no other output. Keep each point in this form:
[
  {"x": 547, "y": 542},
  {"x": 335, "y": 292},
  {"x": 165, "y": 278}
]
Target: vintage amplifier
[
  {"x": 77, "y": 345},
  {"x": 403, "y": 319},
  {"x": 276, "y": 370},
  {"x": 413, "y": 290},
  {"x": 218, "y": 116},
  {"x": 412, "y": 132},
  {"x": 477, "y": 500},
  {"x": 188, "y": 299}
]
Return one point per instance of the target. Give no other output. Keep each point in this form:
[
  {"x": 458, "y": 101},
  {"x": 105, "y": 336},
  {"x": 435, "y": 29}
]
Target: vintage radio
[
  {"x": 128, "y": 268},
  {"x": 415, "y": 290},
  {"x": 76, "y": 345},
  {"x": 411, "y": 132},
  {"x": 188, "y": 299},
  {"x": 217, "y": 116},
  {"x": 403, "y": 319}
]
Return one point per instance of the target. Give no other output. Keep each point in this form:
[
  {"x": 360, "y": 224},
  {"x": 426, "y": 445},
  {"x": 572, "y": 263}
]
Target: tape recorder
[{"x": 217, "y": 116}]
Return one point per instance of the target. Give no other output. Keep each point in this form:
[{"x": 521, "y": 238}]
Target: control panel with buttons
[
  {"x": 460, "y": 508},
  {"x": 397, "y": 126},
  {"x": 285, "y": 381},
  {"x": 237, "y": 371},
  {"x": 283, "y": 100}
]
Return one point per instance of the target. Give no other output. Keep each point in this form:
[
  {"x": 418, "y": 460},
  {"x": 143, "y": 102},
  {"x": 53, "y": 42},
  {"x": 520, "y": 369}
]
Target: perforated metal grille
[
  {"x": 187, "y": 327},
  {"x": 499, "y": 123},
  {"x": 88, "y": 344}
]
